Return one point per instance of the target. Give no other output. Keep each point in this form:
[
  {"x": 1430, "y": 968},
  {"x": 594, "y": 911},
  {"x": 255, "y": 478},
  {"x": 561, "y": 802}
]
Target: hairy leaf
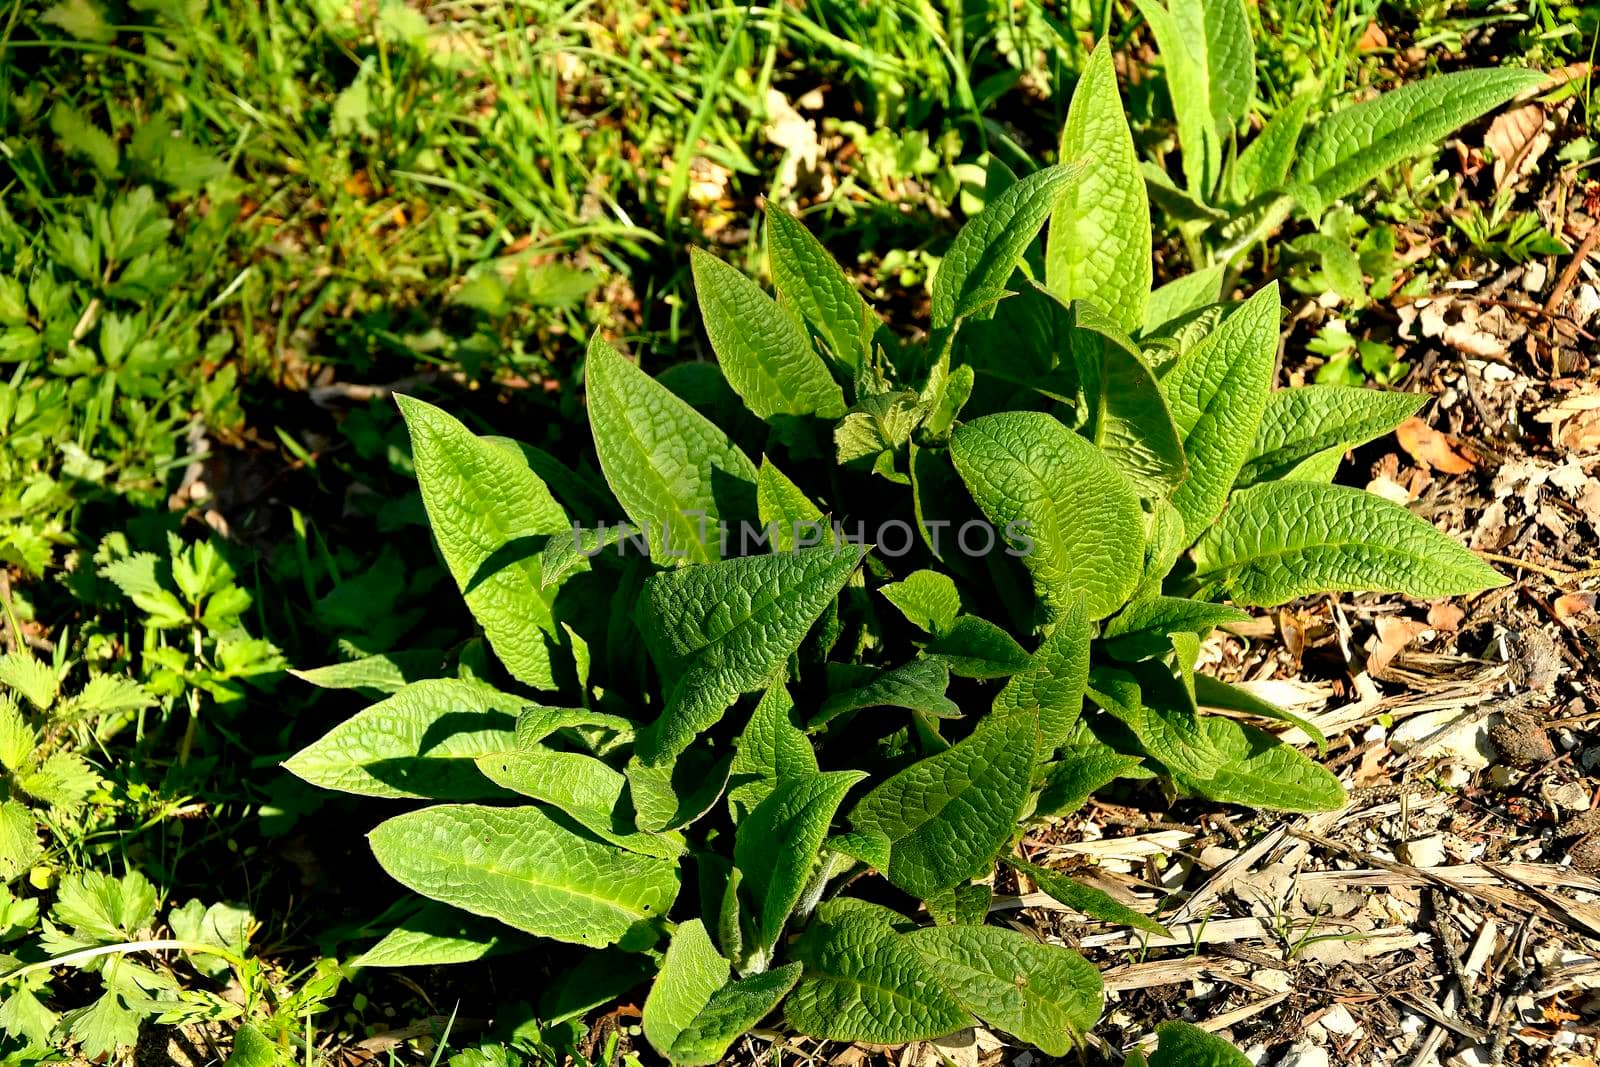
[
  {"x": 437, "y": 934},
  {"x": 918, "y": 685},
  {"x": 770, "y": 751},
  {"x": 1282, "y": 540},
  {"x": 814, "y": 284},
  {"x": 1095, "y": 903},
  {"x": 582, "y": 787},
  {"x": 1181, "y": 1044},
  {"x": 1054, "y": 682},
  {"x": 1142, "y": 629},
  {"x": 928, "y": 599},
  {"x": 1299, "y": 424}
]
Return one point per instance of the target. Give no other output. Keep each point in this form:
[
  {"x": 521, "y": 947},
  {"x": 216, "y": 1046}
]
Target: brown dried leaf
[
  {"x": 1517, "y": 139},
  {"x": 1432, "y": 449}
]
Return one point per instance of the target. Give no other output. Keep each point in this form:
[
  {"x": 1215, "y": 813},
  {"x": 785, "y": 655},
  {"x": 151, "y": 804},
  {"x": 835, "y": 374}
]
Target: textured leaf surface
[
  {"x": 763, "y": 350},
  {"x": 863, "y": 981},
  {"x": 977, "y": 648},
  {"x": 587, "y": 790},
  {"x": 386, "y": 673},
  {"x": 1099, "y": 243},
  {"x": 809, "y": 278},
  {"x": 1282, "y": 540},
  {"x": 771, "y": 750},
  {"x": 1095, "y": 903},
  {"x": 723, "y": 629},
  {"x": 1141, "y": 630},
  {"x": 1125, "y": 411},
  {"x": 420, "y": 742},
  {"x": 1263, "y": 167},
  {"x": 670, "y": 468},
  {"x": 784, "y": 509},
  {"x": 1085, "y": 763},
  {"x": 522, "y": 867},
  {"x": 775, "y": 848},
  {"x": 989, "y": 246},
  {"x": 1299, "y": 424},
  {"x": 1217, "y": 391},
  {"x": 1045, "y": 994},
  {"x": 436, "y": 935},
  {"x": 918, "y": 685},
  {"x": 1256, "y": 769},
  {"x": 928, "y": 599},
  {"x": 1053, "y": 684},
  {"x": 490, "y": 515},
  {"x": 1081, "y": 514},
  {"x": 1209, "y": 692},
  {"x": 1183, "y": 295},
  {"x": 1351, "y": 147},
  {"x": 1181, "y": 1044},
  {"x": 731, "y": 1011},
  {"x": 691, "y": 971},
  {"x": 949, "y": 815},
  {"x": 1209, "y": 56}
]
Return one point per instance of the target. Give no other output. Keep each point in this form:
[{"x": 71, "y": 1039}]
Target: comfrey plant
[
  {"x": 786, "y": 778},
  {"x": 1234, "y": 195}
]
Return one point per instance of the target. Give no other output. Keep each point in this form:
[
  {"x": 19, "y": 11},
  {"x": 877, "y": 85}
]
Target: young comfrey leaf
[
  {"x": 1099, "y": 238},
  {"x": 693, "y": 1013},
  {"x": 973, "y": 273},
  {"x": 763, "y": 350},
  {"x": 1282, "y": 540},
  {"x": 674, "y": 472},
  {"x": 812, "y": 281},
  {"x": 1301, "y": 424}
]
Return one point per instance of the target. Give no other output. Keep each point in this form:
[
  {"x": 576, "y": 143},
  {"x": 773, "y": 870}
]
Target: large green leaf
[
  {"x": 918, "y": 686},
  {"x": 1099, "y": 243},
  {"x": 723, "y": 629},
  {"x": 1257, "y": 770},
  {"x": 775, "y": 848},
  {"x": 1084, "y": 763},
  {"x": 420, "y": 742},
  {"x": 813, "y": 283},
  {"x": 1299, "y": 424},
  {"x": 1263, "y": 167},
  {"x": 1282, "y": 540},
  {"x": 691, "y": 971},
  {"x": 1123, "y": 409},
  {"x": 490, "y": 515},
  {"x": 590, "y": 792},
  {"x": 764, "y": 352},
  {"x": 1053, "y": 684},
  {"x": 1217, "y": 391},
  {"x": 949, "y": 815},
  {"x": 674, "y": 472},
  {"x": 1080, "y": 513},
  {"x": 1351, "y": 147},
  {"x": 524, "y": 868},
  {"x": 1142, "y": 629},
  {"x": 864, "y": 981},
  {"x": 1181, "y": 1044},
  {"x": 1182, "y": 296},
  {"x": 788, "y": 517},
  {"x": 1210, "y": 63},
  {"x": 1045, "y": 994},
  {"x": 974, "y": 272}
]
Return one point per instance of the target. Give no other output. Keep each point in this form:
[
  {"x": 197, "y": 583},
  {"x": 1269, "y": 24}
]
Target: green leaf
[
  {"x": 1053, "y": 684},
  {"x": 1300, "y": 424},
  {"x": 775, "y": 848},
  {"x": 949, "y": 815},
  {"x": 871, "y": 848},
  {"x": 568, "y": 554},
  {"x": 1044, "y": 994},
  {"x": 1282, "y": 540},
  {"x": 723, "y": 629},
  {"x": 1142, "y": 629},
  {"x": 388, "y": 672},
  {"x": 584, "y": 788},
  {"x": 522, "y": 867},
  {"x": 1180, "y": 1044},
  {"x": 490, "y": 515},
  {"x": 1095, "y": 903},
  {"x": 1258, "y": 770},
  {"x": 17, "y": 738},
  {"x": 1217, "y": 391},
  {"x": 31, "y": 677},
  {"x": 1163, "y": 546},
  {"x": 675, "y": 474},
  {"x": 764, "y": 352},
  {"x": 104, "y": 1026},
  {"x": 434, "y": 935},
  {"x": 1080, "y": 514},
  {"x": 420, "y": 742},
  {"x": 1099, "y": 243},
  {"x": 691, "y": 971},
  {"x": 1123, "y": 409},
  {"x": 1351, "y": 147},
  {"x": 770, "y": 751},
  {"x": 989, "y": 247},
  {"x": 19, "y": 839},
  {"x": 1212, "y": 693},
  {"x": 252, "y": 1048},
  {"x": 675, "y": 793},
  {"x": 787, "y": 512},
  {"x": 919, "y": 686},
  {"x": 863, "y": 981},
  {"x": 80, "y": 137},
  {"x": 1210, "y": 62},
  {"x": 928, "y": 599},
  {"x": 1263, "y": 167},
  {"x": 1085, "y": 764},
  {"x": 1181, "y": 296},
  {"x": 977, "y": 648},
  {"x": 83, "y": 19},
  {"x": 23, "y": 1016},
  {"x": 813, "y": 283},
  {"x": 731, "y": 1011}
]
